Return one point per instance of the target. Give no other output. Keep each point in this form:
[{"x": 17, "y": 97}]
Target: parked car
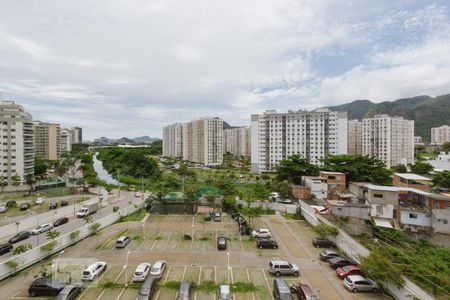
[
  {"x": 39, "y": 201},
  {"x": 5, "y": 248},
  {"x": 138, "y": 194},
  {"x": 141, "y": 272},
  {"x": 282, "y": 267},
  {"x": 158, "y": 268},
  {"x": 3, "y": 208},
  {"x": 20, "y": 236},
  {"x": 235, "y": 216},
  {"x": 320, "y": 242},
  {"x": 284, "y": 200},
  {"x": 304, "y": 291},
  {"x": 207, "y": 216},
  {"x": 45, "y": 287},
  {"x": 42, "y": 228},
  {"x": 11, "y": 203},
  {"x": 281, "y": 290},
  {"x": 221, "y": 243},
  {"x": 244, "y": 230},
  {"x": 348, "y": 270},
  {"x": 224, "y": 292},
  {"x": 123, "y": 241},
  {"x": 24, "y": 206},
  {"x": 60, "y": 221},
  {"x": 53, "y": 205},
  {"x": 328, "y": 254},
  {"x": 70, "y": 292},
  {"x": 266, "y": 244},
  {"x": 261, "y": 233},
  {"x": 94, "y": 270},
  {"x": 185, "y": 291},
  {"x": 339, "y": 262},
  {"x": 64, "y": 202},
  {"x": 148, "y": 289},
  {"x": 357, "y": 283},
  {"x": 217, "y": 217}
]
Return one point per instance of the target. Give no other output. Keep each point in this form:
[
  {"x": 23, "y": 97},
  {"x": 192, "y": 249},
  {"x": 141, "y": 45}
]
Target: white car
[
  {"x": 224, "y": 292},
  {"x": 39, "y": 201},
  {"x": 138, "y": 194},
  {"x": 42, "y": 228},
  {"x": 261, "y": 233},
  {"x": 158, "y": 268},
  {"x": 141, "y": 272},
  {"x": 3, "y": 208},
  {"x": 93, "y": 271}
]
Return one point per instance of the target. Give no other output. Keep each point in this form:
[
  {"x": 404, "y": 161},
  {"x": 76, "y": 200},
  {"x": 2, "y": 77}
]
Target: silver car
[
  {"x": 357, "y": 283},
  {"x": 282, "y": 267}
]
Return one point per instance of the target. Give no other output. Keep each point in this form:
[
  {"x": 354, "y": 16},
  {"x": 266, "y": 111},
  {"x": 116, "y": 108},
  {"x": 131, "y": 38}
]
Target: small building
[
  {"x": 357, "y": 188},
  {"x": 336, "y": 182},
  {"x": 412, "y": 180},
  {"x": 318, "y": 186},
  {"x": 299, "y": 192},
  {"x": 383, "y": 201},
  {"x": 352, "y": 210}
]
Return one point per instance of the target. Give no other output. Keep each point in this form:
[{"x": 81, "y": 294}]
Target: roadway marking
[
  {"x": 184, "y": 273},
  {"x": 215, "y": 274},
  {"x": 121, "y": 292},
  {"x": 167, "y": 274},
  {"x": 179, "y": 242},
  {"x": 168, "y": 240},
  {"x": 249, "y": 280},
  {"x": 199, "y": 275},
  {"x": 267, "y": 281}
]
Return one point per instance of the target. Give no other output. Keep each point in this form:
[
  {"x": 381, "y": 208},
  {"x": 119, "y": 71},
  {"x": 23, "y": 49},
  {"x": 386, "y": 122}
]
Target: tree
[
  {"x": 52, "y": 234},
  {"x": 3, "y": 183},
  {"x": 401, "y": 168},
  {"x": 94, "y": 227},
  {"x": 87, "y": 219},
  {"x": 40, "y": 167},
  {"x": 16, "y": 181},
  {"x": 326, "y": 230},
  {"x": 21, "y": 249},
  {"x": 294, "y": 167},
  {"x": 446, "y": 147},
  {"x": 358, "y": 168},
  {"x": 442, "y": 179},
  {"x": 422, "y": 168},
  {"x": 380, "y": 267},
  {"x": 30, "y": 180}
]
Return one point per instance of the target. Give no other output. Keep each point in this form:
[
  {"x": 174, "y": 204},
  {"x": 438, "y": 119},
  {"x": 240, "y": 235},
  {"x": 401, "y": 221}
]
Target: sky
[{"x": 129, "y": 67}]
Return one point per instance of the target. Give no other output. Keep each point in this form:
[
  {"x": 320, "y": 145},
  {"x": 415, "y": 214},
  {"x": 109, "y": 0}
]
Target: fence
[
  {"x": 355, "y": 250},
  {"x": 48, "y": 217},
  {"x": 33, "y": 256}
]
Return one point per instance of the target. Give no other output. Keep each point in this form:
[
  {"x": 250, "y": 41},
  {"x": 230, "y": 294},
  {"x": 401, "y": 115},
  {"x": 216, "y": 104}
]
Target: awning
[{"x": 383, "y": 223}]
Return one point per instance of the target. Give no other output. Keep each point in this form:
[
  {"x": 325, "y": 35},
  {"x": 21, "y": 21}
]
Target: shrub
[{"x": 326, "y": 230}]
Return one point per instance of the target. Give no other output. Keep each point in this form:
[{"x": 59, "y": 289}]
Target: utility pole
[{"x": 118, "y": 183}]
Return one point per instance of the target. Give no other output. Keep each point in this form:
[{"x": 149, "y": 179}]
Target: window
[
  {"x": 445, "y": 221},
  {"x": 378, "y": 195},
  {"x": 412, "y": 216}
]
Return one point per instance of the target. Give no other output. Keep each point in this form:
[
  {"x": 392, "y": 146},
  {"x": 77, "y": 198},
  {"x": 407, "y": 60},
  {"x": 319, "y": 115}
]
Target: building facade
[
  {"x": 237, "y": 141},
  {"x": 66, "y": 141},
  {"x": 16, "y": 142},
  {"x": 203, "y": 141},
  {"x": 173, "y": 140},
  {"x": 47, "y": 140},
  {"x": 440, "y": 135},
  {"x": 76, "y": 135},
  {"x": 311, "y": 134},
  {"x": 390, "y": 139},
  {"x": 354, "y": 137}
]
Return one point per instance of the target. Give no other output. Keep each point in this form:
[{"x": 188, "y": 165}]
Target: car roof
[
  {"x": 224, "y": 288},
  {"x": 307, "y": 289},
  {"x": 282, "y": 285},
  {"x": 352, "y": 267},
  {"x": 279, "y": 262},
  {"x": 338, "y": 258},
  {"x": 330, "y": 251},
  {"x": 356, "y": 277},
  {"x": 142, "y": 266},
  {"x": 123, "y": 237},
  {"x": 159, "y": 263}
]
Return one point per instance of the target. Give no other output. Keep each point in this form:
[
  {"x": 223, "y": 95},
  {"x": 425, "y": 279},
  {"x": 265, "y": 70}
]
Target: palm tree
[
  {"x": 3, "y": 183},
  {"x": 30, "y": 180},
  {"x": 16, "y": 181}
]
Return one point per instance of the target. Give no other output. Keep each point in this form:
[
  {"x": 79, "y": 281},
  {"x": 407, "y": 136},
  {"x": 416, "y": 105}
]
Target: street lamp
[
  {"x": 143, "y": 229},
  {"x": 57, "y": 264},
  {"x": 126, "y": 269}
]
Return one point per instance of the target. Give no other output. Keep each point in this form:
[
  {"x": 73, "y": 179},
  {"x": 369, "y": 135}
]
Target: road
[{"x": 75, "y": 223}]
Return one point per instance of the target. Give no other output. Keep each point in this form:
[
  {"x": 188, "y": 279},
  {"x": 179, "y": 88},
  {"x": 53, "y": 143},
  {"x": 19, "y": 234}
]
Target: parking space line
[
  {"x": 230, "y": 272},
  {"x": 199, "y": 275},
  {"x": 168, "y": 240},
  {"x": 215, "y": 274},
  {"x": 101, "y": 294},
  {"x": 249, "y": 280},
  {"x": 157, "y": 294},
  {"x": 179, "y": 242},
  {"x": 167, "y": 274},
  {"x": 268, "y": 285},
  {"x": 118, "y": 276},
  {"x": 121, "y": 292}
]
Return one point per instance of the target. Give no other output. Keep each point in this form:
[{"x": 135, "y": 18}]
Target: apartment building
[
  {"x": 47, "y": 140},
  {"x": 203, "y": 141},
  {"x": 66, "y": 141},
  {"x": 440, "y": 135},
  {"x": 354, "y": 137},
  {"x": 237, "y": 141},
  {"x": 390, "y": 139},
  {"x": 173, "y": 140},
  {"x": 76, "y": 135},
  {"x": 16, "y": 142},
  {"x": 311, "y": 134}
]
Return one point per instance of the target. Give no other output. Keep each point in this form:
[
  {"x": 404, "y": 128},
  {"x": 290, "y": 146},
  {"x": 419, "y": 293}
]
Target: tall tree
[
  {"x": 358, "y": 168},
  {"x": 40, "y": 167},
  {"x": 294, "y": 167},
  {"x": 422, "y": 168},
  {"x": 442, "y": 179}
]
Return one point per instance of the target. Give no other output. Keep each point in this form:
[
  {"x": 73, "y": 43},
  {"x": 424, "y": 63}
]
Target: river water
[{"x": 101, "y": 172}]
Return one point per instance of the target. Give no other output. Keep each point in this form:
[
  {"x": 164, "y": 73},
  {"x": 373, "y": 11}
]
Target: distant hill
[
  {"x": 144, "y": 139},
  {"x": 426, "y": 111}
]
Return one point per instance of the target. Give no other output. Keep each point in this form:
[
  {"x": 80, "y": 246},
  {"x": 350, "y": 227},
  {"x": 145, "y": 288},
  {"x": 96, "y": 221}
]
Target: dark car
[
  {"x": 207, "y": 216},
  {"x": 339, "y": 262},
  {"x": 45, "y": 287},
  {"x": 304, "y": 292},
  {"x": 221, "y": 243},
  {"x": 60, "y": 221},
  {"x": 24, "y": 206},
  {"x": 20, "y": 236},
  {"x": 266, "y": 244},
  {"x": 235, "y": 216},
  {"x": 5, "y": 248},
  {"x": 11, "y": 203},
  {"x": 320, "y": 242},
  {"x": 244, "y": 230},
  {"x": 328, "y": 254},
  {"x": 70, "y": 292},
  {"x": 185, "y": 291},
  {"x": 64, "y": 202},
  {"x": 147, "y": 289},
  {"x": 53, "y": 205}
]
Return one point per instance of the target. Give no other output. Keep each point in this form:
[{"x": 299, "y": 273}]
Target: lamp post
[
  {"x": 126, "y": 269},
  {"x": 143, "y": 230},
  {"x": 118, "y": 183},
  {"x": 57, "y": 264}
]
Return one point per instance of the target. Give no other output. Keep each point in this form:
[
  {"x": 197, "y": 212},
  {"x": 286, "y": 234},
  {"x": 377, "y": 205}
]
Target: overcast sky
[{"x": 127, "y": 68}]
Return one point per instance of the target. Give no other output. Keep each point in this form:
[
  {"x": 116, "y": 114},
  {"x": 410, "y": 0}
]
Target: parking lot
[{"x": 198, "y": 260}]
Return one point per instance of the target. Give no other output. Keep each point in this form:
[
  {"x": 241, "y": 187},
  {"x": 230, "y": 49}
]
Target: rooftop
[
  {"x": 332, "y": 173},
  {"x": 412, "y": 176}
]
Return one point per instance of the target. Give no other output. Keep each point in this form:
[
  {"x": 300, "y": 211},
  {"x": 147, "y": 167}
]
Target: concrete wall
[
  {"x": 382, "y": 211},
  {"x": 421, "y": 220},
  {"x": 440, "y": 216},
  {"x": 388, "y": 197},
  {"x": 350, "y": 211}
]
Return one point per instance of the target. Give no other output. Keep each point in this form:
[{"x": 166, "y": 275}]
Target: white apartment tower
[
  {"x": 16, "y": 142},
  {"x": 66, "y": 141},
  {"x": 390, "y": 139},
  {"x": 311, "y": 134},
  {"x": 440, "y": 135},
  {"x": 203, "y": 141},
  {"x": 173, "y": 140},
  {"x": 237, "y": 141},
  {"x": 354, "y": 137}
]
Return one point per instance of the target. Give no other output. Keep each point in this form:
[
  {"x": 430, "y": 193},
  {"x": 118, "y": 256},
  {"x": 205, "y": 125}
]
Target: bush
[{"x": 326, "y": 230}]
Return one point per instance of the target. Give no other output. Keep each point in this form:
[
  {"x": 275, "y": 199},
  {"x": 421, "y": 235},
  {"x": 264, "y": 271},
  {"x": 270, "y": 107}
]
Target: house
[
  {"x": 412, "y": 180},
  {"x": 318, "y": 186},
  {"x": 440, "y": 207},
  {"x": 383, "y": 201},
  {"x": 352, "y": 210},
  {"x": 357, "y": 188},
  {"x": 336, "y": 182},
  {"x": 299, "y": 191}
]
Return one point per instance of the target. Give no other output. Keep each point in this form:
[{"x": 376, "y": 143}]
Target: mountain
[
  {"x": 144, "y": 139},
  {"x": 426, "y": 111}
]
